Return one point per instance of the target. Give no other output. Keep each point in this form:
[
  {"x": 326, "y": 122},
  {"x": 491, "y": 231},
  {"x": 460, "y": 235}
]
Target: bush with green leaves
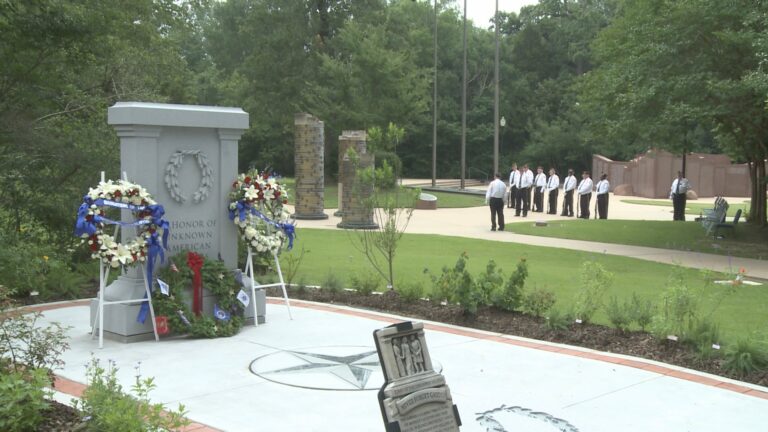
[
  {"x": 641, "y": 311},
  {"x": 365, "y": 283},
  {"x": 510, "y": 296},
  {"x": 489, "y": 283},
  {"x": 558, "y": 320},
  {"x": 745, "y": 357},
  {"x": 595, "y": 282},
  {"x": 452, "y": 281},
  {"x": 619, "y": 313},
  {"x": 410, "y": 291},
  {"x": 109, "y": 408},
  {"x": 23, "y": 398},
  {"x": 538, "y": 302},
  {"x": 704, "y": 333},
  {"x": 332, "y": 283},
  {"x": 678, "y": 310}
]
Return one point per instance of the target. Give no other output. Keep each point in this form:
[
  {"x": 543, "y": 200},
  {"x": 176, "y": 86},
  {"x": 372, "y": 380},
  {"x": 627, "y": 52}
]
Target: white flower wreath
[
  {"x": 261, "y": 192},
  {"x": 91, "y": 220},
  {"x": 172, "y": 171}
]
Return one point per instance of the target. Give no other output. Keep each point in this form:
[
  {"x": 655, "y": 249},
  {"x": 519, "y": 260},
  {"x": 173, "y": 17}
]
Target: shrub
[
  {"x": 619, "y": 313},
  {"x": 29, "y": 267},
  {"x": 538, "y": 302},
  {"x": 641, "y": 311},
  {"x": 452, "y": 281},
  {"x": 746, "y": 357},
  {"x": 109, "y": 408},
  {"x": 332, "y": 283},
  {"x": 410, "y": 292},
  {"x": 488, "y": 283},
  {"x": 291, "y": 263},
  {"x": 23, "y": 399},
  {"x": 366, "y": 283},
  {"x": 510, "y": 297},
  {"x": 595, "y": 281},
  {"x": 702, "y": 335},
  {"x": 678, "y": 310},
  {"x": 558, "y": 321}
]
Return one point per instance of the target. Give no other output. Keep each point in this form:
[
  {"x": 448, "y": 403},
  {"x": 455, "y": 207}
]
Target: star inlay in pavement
[{"x": 326, "y": 368}]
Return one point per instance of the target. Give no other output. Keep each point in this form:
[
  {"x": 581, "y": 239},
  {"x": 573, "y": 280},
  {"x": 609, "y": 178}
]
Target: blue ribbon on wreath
[{"x": 242, "y": 209}]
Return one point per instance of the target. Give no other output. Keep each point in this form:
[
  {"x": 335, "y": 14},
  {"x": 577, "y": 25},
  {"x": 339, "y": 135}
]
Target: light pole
[
  {"x": 434, "y": 110},
  {"x": 464, "y": 105},
  {"x": 496, "y": 94},
  {"x": 502, "y": 123}
]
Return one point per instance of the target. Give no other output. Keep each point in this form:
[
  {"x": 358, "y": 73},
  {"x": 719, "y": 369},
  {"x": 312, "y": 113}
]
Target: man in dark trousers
[
  {"x": 514, "y": 182},
  {"x": 539, "y": 185},
  {"x": 569, "y": 185},
  {"x": 553, "y": 184},
  {"x": 524, "y": 192},
  {"x": 494, "y": 196},
  {"x": 601, "y": 189},
  {"x": 585, "y": 194},
  {"x": 677, "y": 193}
]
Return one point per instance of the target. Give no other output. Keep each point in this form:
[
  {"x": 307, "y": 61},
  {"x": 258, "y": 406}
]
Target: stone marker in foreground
[{"x": 414, "y": 397}]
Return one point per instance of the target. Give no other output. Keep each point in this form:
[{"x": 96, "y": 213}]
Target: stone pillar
[
  {"x": 356, "y": 214},
  {"x": 309, "y": 165},
  {"x": 186, "y": 158},
  {"x": 349, "y": 139}
]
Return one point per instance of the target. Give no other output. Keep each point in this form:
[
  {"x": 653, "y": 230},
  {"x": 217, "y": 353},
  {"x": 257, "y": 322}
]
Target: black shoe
[
  {"x": 493, "y": 229},
  {"x": 525, "y": 214},
  {"x": 517, "y": 214},
  {"x": 501, "y": 229}
]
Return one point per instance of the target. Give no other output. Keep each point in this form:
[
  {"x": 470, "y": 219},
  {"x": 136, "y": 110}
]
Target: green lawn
[
  {"x": 444, "y": 199},
  {"x": 330, "y": 251},
  {"x": 746, "y": 240},
  {"x": 693, "y": 208}
]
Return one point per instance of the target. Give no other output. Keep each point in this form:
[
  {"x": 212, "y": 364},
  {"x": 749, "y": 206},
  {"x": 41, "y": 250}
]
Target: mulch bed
[
  {"x": 597, "y": 337},
  {"x": 60, "y": 418}
]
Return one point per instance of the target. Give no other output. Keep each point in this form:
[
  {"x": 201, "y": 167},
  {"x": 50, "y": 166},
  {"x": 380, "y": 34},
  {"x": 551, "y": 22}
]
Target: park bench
[
  {"x": 728, "y": 225},
  {"x": 711, "y": 218}
]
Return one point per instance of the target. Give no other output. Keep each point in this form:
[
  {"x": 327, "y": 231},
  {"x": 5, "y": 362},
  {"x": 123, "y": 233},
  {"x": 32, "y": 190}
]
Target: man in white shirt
[
  {"x": 553, "y": 184},
  {"x": 540, "y": 183},
  {"x": 568, "y": 187},
  {"x": 514, "y": 182},
  {"x": 585, "y": 194},
  {"x": 494, "y": 196},
  {"x": 602, "y": 196},
  {"x": 524, "y": 192},
  {"x": 677, "y": 193}
]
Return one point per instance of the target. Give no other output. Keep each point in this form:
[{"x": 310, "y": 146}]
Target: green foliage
[
  {"x": 489, "y": 284},
  {"x": 291, "y": 263},
  {"x": 332, "y": 283},
  {"x": 557, "y": 320},
  {"x": 538, "y": 302},
  {"x": 745, "y": 357},
  {"x": 641, "y": 311},
  {"x": 365, "y": 283},
  {"x": 679, "y": 309},
  {"x": 510, "y": 297},
  {"x": 410, "y": 291},
  {"x": 109, "y": 408},
  {"x": 23, "y": 396},
  {"x": 595, "y": 281},
  {"x": 619, "y": 313},
  {"x": 24, "y": 344},
  {"x": 454, "y": 285},
  {"x": 702, "y": 336}
]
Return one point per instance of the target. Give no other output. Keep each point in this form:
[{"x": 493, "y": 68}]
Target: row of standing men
[{"x": 522, "y": 182}]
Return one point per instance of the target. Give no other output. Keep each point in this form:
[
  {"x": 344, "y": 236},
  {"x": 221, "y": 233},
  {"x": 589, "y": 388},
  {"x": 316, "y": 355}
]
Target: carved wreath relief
[{"x": 171, "y": 175}]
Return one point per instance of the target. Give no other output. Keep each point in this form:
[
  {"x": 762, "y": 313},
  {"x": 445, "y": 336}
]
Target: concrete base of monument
[
  {"x": 310, "y": 216},
  {"x": 356, "y": 225},
  {"x": 120, "y": 323}
]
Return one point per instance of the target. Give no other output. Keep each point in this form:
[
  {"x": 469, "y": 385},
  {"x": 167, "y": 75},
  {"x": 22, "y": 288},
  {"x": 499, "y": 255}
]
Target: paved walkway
[
  {"x": 278, "y": 377},
  {"x": 473, "y": 222}
]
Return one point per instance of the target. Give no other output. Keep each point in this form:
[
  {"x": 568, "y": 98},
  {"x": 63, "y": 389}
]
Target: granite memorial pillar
[{"x": 309, "y": 162}]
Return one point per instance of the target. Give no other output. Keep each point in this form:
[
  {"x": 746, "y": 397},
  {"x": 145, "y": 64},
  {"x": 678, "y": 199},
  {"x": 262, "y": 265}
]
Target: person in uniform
[
  {"x": 514, "y": 182},
  {"x": 553, "y": 185},
  {"x": 585, "y": 194},
  {"x": 540, "y": 183},
  {"x": 569, "y": 185},
  {"x": 602, "y": 196},
  {"x": 494, "y": 196},
  {"x": 524, "y": 192},
  {"x": 678, "y": 196}
]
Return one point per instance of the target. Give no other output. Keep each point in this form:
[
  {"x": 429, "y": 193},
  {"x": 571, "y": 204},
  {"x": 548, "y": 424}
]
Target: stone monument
[
  {"x": 357, "y": 214},
  {"x": 309, "y": 165},
  {"x": 186, "y": 157},
  {"x": 414, "y": 398},
  {"x": 357, "y": 140}
]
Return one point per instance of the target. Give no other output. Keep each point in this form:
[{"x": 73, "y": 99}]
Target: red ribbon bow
[{"x": 195, "y": 263}]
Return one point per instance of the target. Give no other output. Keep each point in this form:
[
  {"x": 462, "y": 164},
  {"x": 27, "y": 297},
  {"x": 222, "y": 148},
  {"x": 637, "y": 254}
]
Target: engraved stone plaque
[{"x": 414, "y": 397}]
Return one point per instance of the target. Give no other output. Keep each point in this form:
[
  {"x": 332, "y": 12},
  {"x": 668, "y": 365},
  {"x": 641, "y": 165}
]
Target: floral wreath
[
  {"x": 150, "y": 225},
  {"x": 171, "y": 172},
  {"x": 256, "y": 207}
]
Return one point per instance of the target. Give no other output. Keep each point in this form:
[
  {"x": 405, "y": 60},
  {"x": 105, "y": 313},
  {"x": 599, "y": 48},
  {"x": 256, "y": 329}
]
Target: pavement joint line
[
  {"x": 635, "y": 362},
  {"x": 628, "y": 386}
]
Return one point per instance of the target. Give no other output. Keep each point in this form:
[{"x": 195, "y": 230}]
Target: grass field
[
  {"x": 694, "y": 208},
  {"x": 745, "y": 240},
  {"x": 331, "y": 251},
  {"x": 444, "y": 199}
]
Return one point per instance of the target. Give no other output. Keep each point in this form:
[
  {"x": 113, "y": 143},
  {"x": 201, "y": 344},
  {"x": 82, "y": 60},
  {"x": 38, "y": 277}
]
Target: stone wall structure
[
  {"x": 356, "y": 214},
  {"x": 357, "y": 140},
  {"x": 650, "y": 175},
  {"x": 309, "y": 161}
]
